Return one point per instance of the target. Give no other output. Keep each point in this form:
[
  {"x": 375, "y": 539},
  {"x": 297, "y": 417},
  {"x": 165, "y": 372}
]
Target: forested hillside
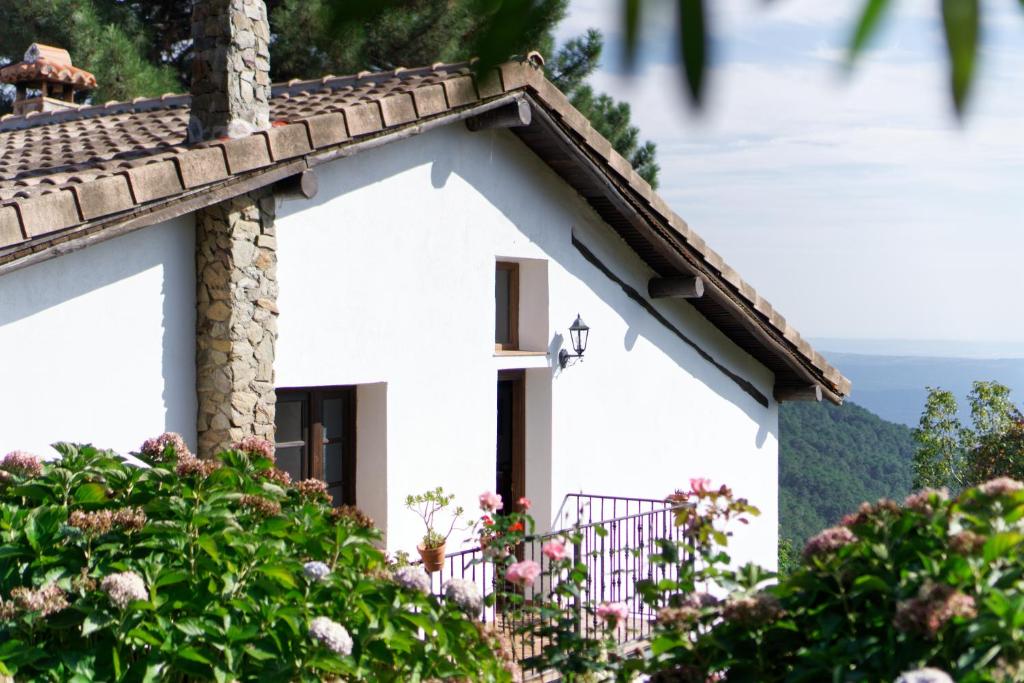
[{"x": 831, "y": 458}]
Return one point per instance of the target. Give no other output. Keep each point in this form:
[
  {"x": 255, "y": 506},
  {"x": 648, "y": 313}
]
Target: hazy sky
[{"x": 856, "y": 205}]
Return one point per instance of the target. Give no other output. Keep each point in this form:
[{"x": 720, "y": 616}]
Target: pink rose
[
  {"x": 700, "y": 484},
  {"x": 554, "y": 550},
  {"x": 490, "y": 501},
  {"x": 524, "y": 504},
  {"x": 523, "y": 573},
  {"x": 613, "y": 612}
]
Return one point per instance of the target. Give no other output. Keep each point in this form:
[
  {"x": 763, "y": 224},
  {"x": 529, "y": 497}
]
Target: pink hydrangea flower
[
  {"x": 700, "y": 484},
  {"x": 1001, "y": 486},
  {"x": 554, "y": 550},
  {"x": 613, "y": 612},
  {"x": 490, "y": 501},
  {"x": 20, "y": 462},
  {"x": 828, "y": 541},
  {"x": 523, "y": 573},
  {"x": 155, "y": 447},
  {"x": 254, "y": 445}
]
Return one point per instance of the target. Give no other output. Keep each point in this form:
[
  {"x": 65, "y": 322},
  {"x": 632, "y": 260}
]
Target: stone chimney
[
  {"x": 236, "y": 250},
  {"x": 45, "y": 80},
  {"x": 230, "y": 68}
]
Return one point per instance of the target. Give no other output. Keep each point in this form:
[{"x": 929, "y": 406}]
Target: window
[
  {"x": 506, "y": 306},
  {"x": 316, "y": 431}
]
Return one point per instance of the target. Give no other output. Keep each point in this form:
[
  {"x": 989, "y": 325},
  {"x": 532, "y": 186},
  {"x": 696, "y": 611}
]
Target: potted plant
[{"x": 427, "y": 505}]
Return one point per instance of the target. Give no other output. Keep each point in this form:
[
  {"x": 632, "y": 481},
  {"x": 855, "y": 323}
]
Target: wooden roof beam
[
  {"x": 299, "y": 186},
  {"x": 675, "y": 287},
  {"x": 809, "y": 392},
  {"x": 512, "y": 115}
]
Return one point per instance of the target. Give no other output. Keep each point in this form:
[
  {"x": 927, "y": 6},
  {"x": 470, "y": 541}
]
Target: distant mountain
[
  {"x": 832, "y": 458},
  {"x": 935, "y": 348},
  {"x": 894, "y": 387}
]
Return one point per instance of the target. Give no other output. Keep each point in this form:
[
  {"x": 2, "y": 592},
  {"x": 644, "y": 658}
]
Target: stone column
[
  {"x": 230, "y": 68},
  {"x": 236, "y": 321},
  {"x": 236, "y": 258}
]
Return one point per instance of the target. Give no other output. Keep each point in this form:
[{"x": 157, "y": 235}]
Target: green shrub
[
  {"x": 202, "y": 570},
  {"x": 931, "y": 583}
]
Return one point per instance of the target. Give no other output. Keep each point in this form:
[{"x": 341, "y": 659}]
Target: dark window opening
[
  {"x": 506, "y": 306},
  {"x": 316, "y": 438},
  {"x": 510, "y": 480}
]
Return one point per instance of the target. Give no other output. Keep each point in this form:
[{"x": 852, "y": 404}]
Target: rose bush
[{"x": 208, "y": 570}]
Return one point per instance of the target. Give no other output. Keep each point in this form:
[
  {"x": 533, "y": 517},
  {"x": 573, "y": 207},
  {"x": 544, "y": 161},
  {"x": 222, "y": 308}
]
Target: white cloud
[{"x": 857, "y": 205}]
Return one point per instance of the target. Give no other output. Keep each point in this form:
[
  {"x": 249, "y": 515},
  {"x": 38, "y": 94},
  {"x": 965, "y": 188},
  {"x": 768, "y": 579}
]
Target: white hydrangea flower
[
  {"x": 124, "y": 587},
  {"x": 315, "y": 571},
  {"x": 332, "y": 635},
  {"x": 928, "y": 675},
  {"x": 413, "y": 578},
  {"x": 465, "y": 594}
]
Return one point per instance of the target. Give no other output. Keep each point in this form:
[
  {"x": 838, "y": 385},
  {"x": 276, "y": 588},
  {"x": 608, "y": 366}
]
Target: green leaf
[
  {"x": 209, "y": 545},
  {"x": 169, "y": 578},
  {"x": 961, "y": 20},
  {"x": 193, "y": 655},
  {"x": 664, "y": 643},
  {"x": 258, "y": 654},
  {"x": 999, "y": 545},
  {"x": 91, "y": 625},
  {"x": 280, "y": 574},
  {"x": 693, "y": 46},
  {"x": 870, "y": 18},
  {"x": 871, "y": 583},
  {"x": 90, "y": 493},
  {"x": 631, "y": 24}
]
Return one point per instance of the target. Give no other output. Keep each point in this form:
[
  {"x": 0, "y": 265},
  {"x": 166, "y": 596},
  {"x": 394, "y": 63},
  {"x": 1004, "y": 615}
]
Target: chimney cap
[{"x": 49, "y": 64}]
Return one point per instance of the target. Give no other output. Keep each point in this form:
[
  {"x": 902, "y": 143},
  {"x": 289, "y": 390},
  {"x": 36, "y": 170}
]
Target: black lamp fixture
[{"x": 578, "y": 332}]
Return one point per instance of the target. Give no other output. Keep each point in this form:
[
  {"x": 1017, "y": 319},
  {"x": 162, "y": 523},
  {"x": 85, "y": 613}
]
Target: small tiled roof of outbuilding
[
  {"x": 69, "y": 178},
  {"x": 47, "y": 63}
]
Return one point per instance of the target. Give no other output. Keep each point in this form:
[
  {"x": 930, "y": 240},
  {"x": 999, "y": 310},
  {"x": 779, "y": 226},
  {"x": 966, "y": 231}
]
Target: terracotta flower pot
[{"x": 433, "y": 558}]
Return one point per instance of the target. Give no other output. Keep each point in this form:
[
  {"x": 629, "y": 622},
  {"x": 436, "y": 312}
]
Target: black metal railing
[{"x": 617, "y": 537}]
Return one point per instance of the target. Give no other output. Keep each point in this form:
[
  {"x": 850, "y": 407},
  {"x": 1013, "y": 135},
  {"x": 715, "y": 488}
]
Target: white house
[{"x": 407, "y": 320}]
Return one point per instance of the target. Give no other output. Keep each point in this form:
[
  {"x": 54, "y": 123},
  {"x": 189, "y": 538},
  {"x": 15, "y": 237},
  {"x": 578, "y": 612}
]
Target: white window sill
[{"x": 520, "y": 360}]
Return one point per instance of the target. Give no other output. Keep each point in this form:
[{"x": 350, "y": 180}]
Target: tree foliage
[
  {"x": 569, "y": 69},
  {"x": 107, "y": 37},
  {"x": 831, "y": 458},
  {"x": 954, "y": 455}
]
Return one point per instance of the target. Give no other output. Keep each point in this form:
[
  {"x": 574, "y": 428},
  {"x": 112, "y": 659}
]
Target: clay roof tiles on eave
[{"x": 67, "y": 175}]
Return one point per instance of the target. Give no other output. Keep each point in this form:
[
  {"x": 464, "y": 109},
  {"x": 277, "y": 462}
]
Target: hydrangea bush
[
  {"x": 930, "y": 590},
  {"x": 217, "y": 570}
]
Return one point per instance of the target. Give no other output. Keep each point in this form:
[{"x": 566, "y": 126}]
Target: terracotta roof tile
[
  {"x": 63, "y": 169},
  {"x": 10, "y": 226}
]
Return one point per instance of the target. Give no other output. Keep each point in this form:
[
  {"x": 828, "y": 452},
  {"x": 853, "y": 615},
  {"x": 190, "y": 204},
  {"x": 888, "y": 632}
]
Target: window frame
[
  {"x": 513, "y": 306},
  {"x": 312, "y": 465}
]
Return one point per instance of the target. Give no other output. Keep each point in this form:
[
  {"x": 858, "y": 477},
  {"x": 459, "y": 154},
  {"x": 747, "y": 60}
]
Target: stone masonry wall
[
  {"x": 236, "y": 322},
  {"x": 230, "y": 68},
  {"x": 236, "y": 252}
]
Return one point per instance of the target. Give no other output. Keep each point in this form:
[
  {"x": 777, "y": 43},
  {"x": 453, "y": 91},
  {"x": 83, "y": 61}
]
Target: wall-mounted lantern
[{"x": 578, "y": 333}]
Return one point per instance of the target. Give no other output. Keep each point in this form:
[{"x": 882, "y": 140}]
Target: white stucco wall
[
  {"x": 387, "y": 277},
  {"x": 99, "y": 345}
]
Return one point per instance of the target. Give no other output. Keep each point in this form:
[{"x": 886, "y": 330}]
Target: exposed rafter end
[
  {"x": 299, "y": 186},
  {"x": 512, "y": 115},
  {"x": 676, "y": 287},
  {"x": 810, "y": 392}
]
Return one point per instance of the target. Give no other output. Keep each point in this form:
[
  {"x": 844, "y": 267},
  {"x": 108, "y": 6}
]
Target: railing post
[{"x": 576, "y": 606}]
